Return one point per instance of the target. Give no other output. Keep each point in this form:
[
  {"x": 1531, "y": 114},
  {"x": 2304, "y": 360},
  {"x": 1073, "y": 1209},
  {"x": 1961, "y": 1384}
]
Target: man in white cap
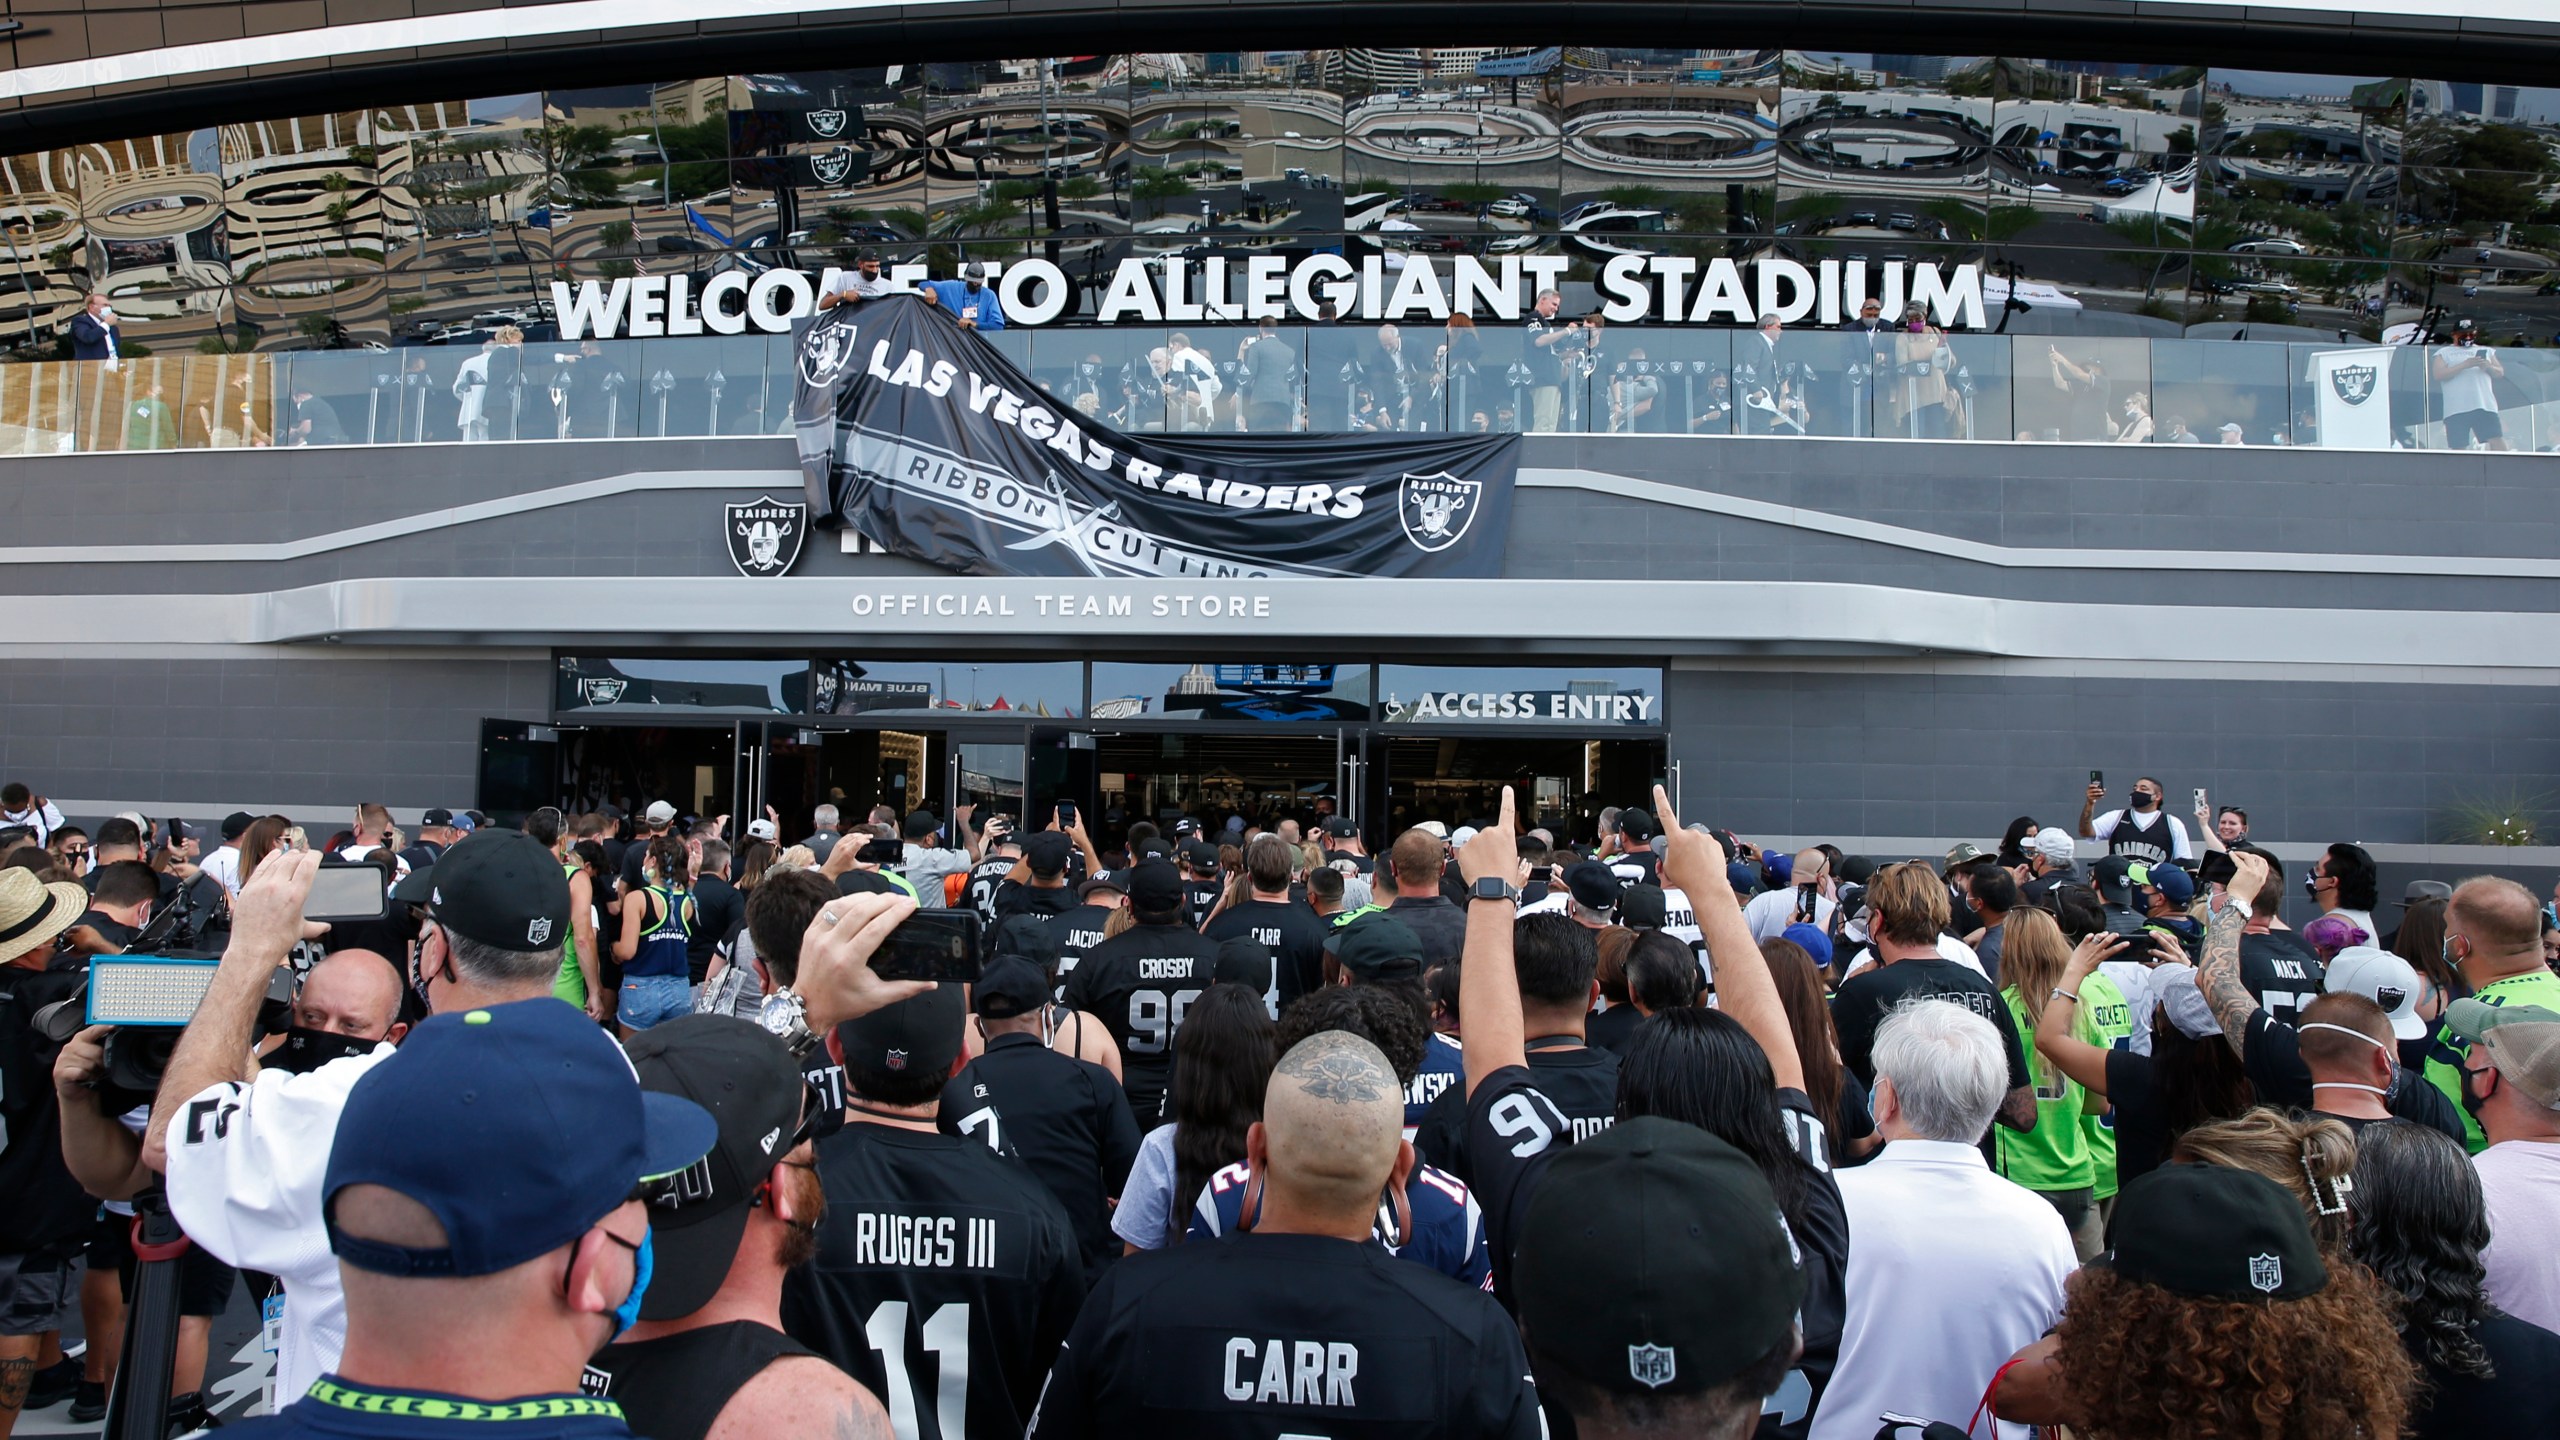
[{"x": 2051, "y": 855}]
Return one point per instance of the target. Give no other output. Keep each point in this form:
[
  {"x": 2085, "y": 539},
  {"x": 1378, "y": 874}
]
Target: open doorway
[
  {"x": 1560, "y": 782},
  {"x": 631, "y": 766},
  {"x": 1258, "y": 775}
]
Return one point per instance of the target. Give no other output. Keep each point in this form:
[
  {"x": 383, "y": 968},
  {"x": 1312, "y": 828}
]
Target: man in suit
[{"x": 94, "y": 333}]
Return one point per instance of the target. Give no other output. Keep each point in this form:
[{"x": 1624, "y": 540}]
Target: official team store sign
[
  {"x": 1670, "y": 289},
  {"x": 925, "y": 439}
]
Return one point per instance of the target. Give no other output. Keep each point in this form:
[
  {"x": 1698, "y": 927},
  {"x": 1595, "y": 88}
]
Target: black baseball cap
[
  {"x": 236, "y": 824},
  {"x": 1594, "y": 885},
  {"x": 747, "y": 1080},
  {"x": 1115, "y": 881},
  {"x": 1339, "y": 826},
  {"x": 1377, "y": 947},
  {"x": 922, "y": 824},
  {"x": 1186, "y": 826},
  {"x": 1652, "y": 1260},
  {"x": 1154, "y": 886},
  {"x": 503, "y": 889},
  {"x": 1243, "y": 961},
  {"x": 436, "y": 817},
  {"x": 1024, "y": 936},
  {"x": 1047, "y": 851},
  {"x": 1200, "y": 854},
  {"x": 1637, "y": 824},
  {"x": 2215, "y": 1233},
  {"x": 418, "y": 887},
  {"x": 2114, "y": 878},
  {"x": 918, "y": 1033},
  {"x": 1644, "y": 907},
  {"x": 1009, "y": 985}
]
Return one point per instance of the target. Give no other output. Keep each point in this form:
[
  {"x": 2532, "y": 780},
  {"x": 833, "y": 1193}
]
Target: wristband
[{"x": 2061, "y": 994}]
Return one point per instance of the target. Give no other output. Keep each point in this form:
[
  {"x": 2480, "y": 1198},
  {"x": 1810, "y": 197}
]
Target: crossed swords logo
[{"x": 1073, "y": 528}]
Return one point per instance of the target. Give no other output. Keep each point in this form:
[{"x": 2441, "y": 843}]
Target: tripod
[{"x": 139, "y": 1407}]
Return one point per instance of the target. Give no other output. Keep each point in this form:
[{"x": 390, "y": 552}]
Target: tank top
[
  {"x": 674, "y": 1387},
  {"x": 662, "y": 945},
  {"x": 571, "y": 983}
]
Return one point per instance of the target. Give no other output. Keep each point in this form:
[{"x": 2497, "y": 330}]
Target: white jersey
[
  {"x": 1771, "y": 911},
  {"x": 246, "y": 1166},
  {"x": 224, "y": 865}
]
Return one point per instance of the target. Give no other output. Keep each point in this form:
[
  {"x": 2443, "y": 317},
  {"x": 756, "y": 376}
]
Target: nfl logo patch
[
  {"x": 897, "y": 1060},
  {"x": 1652, "y": 1365},
  {"x": 2266, "y": 1273}
]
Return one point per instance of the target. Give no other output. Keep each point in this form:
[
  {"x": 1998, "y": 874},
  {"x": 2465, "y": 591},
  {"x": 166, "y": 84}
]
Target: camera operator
[
  {"x": 120, "y": 904},
  {"x": 44, "y": 1215}
]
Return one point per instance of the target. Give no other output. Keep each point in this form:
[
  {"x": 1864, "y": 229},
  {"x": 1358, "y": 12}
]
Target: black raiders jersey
[
  {"x": 1261, "y": 1336},
  {"x": 984, "y": 877},
  {"x": 1139, "y": 984},
  {"x": 1581, "y": 1081},
  {"x": 1512, "y": 1130},
  {"x": 944, "y": 1279},
  {"x": 1199, "y": 897}
]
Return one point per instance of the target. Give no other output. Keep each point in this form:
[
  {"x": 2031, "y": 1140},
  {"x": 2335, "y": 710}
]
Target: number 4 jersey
[{"x": 945, "y": 1278}]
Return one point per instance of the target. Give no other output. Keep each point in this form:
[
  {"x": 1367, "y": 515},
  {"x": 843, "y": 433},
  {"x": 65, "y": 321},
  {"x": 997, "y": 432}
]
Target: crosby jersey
[
  {"x": 1447, "y": 1227},
  {"x": 1513, "y": 1129},
  {"x": 944, "y": 1279},
  {"x": 1139, "y": 984},
  {"x": 1262, "y": 1336}
]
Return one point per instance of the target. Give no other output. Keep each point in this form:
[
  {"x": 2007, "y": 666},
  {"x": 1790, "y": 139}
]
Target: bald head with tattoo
[{"x": 1331, "y": 1138}]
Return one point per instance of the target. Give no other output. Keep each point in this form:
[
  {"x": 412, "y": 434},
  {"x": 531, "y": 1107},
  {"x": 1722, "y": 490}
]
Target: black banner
[{"x": 927, "y": 440}]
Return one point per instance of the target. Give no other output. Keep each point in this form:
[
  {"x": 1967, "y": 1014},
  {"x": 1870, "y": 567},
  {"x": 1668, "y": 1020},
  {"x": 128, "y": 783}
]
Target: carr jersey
[
  {"x": 1514, "y": 1129},
  {"x": 1256, "y": 1337},
  {"x": 1139, "y": 984},
  {"x": 944, "y": 1279},
  {"x": 1448, "y": 1232},
  {"x": 1294, "y": 933},
  {"x": 1580, "y": 1080}
]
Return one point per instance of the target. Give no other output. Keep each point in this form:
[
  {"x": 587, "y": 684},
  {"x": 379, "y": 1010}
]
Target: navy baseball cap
[{"x": 517, "y": 1126}]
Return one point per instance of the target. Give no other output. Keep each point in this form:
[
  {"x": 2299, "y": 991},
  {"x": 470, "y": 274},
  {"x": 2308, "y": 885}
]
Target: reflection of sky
[
  {"x": 1022, "y": 686},
  {"x": 204, "y": 152},
  {"x": 502, "y": 109},
  {"x": 2280, "y": 85}
]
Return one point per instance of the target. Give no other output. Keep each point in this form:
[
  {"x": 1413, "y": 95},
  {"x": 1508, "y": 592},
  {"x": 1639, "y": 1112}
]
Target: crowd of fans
[{"x": 609, "y": 1125}]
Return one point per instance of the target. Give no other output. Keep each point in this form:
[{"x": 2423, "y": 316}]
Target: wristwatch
[
  {"x": 785, "y": 1016},
  {"x": 1494, "y": 887}
]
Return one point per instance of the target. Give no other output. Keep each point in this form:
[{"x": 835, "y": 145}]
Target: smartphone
[
  {"x": 1066, "y": 812},
  {"x": 2097, "y": 777},
  {"x": 2199, "y": 800},
  {"x": 344, "y": 891},
  {"x": 2216, "y": 868},
  {"x": 937, "y": 945}
]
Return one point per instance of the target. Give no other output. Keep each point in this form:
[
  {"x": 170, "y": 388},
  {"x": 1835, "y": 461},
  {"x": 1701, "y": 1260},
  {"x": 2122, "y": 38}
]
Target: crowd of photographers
[{"x": 604, "y": 1125}]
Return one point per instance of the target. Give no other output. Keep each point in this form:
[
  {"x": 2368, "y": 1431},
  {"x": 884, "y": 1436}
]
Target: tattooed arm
[{"x": 2218, "y": 973}]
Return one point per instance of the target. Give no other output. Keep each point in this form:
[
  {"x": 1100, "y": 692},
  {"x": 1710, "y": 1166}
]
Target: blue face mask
[{"x": 643, "y": 1261}]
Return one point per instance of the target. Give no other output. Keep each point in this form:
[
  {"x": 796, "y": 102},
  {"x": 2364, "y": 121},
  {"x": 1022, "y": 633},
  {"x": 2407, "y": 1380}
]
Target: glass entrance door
[{"x": 1559, "y": 782}]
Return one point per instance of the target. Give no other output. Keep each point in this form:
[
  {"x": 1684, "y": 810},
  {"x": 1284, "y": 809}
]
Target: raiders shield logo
[
  {"x": 824, "y": 352},
  {"x": 1438, "y": 508},
  {"x": 765, "y": 535},
  {"x": 605, "y": 691},
  {"x": 2354, "y": 383},
  {"x": 2266, "y": 1272},
  {"x": 1652, "y": 1365},
  {"x": 832, "y": 167},
  {"x": 826, "y": 124}
]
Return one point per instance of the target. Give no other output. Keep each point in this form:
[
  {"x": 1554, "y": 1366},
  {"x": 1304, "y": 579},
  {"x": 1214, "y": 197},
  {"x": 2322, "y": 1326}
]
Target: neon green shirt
[
  {"x": 2445, "y": 1057},
  {"x": 2109, "y": 1021},
  {"x": 2055, "y": 1154},
  {"x": 571, "y": 983}
]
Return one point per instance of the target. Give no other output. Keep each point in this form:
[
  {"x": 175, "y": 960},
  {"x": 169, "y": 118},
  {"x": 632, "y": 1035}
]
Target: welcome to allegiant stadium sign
[{"x": 1666, "y": 288}]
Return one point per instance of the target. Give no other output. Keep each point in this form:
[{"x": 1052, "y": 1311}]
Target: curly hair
[
  {"x": 2311, "y": 1156},
  {"x": 2421, "y": 1223},
  {"x": 2145, "y": 1364}
]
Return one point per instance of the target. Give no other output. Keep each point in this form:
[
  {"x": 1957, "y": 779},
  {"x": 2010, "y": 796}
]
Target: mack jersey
[
  {"x": 945, "y": 1277},
  {"x": 1447, "y": 1229},
  {"x": 1256, "y": 1337}
]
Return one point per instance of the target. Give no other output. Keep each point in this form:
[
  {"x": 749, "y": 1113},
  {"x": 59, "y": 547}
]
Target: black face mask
[
  {"x": 2144, "y": 800},
  {"x": 2471, "y": 1103},
  {"x": 304, "y": 1051}
]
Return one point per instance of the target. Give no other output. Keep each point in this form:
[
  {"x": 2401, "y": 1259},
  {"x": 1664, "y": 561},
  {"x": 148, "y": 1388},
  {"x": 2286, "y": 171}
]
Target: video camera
[{"x": 148, "y": 999}]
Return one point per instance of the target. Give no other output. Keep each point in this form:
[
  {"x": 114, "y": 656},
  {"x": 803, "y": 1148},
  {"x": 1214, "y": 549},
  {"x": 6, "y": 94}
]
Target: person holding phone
[
  {"x": 2143, "y": 830},
  {"x": 1809, "y": 897}
]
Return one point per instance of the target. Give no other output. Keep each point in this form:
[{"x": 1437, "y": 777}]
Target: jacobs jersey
[
  {"x": 1514, "y": 1129},
  {"x": 1139, "y": 984},
  {"x": 1079, "y": 930},
  {"x": 944, "y": 1279},
  {"x": 1447, "y": 1226},
  {"x": 1256, "y": 1337},
  {"x": 1580, "y": 1081}
]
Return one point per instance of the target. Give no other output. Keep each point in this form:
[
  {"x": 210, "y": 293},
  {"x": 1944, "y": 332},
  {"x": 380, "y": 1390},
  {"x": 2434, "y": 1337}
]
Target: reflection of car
[
  {"x": 2265, "y": 245},
  {"x": 1510, "y": 209},
  {"x": 1901, "y": 220},
  {"x": 157, "y": 202},
  {"x": 1514, "y": 244},
  {"x": 2119, "y": 184},
  {"x": 1861, "y": 217},
  {"x": 678, "y": 244}
]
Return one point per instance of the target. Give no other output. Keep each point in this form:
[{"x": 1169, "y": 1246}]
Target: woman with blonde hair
[
  {"x": 2053, "y": 1158},
  {"x": 2312, "y": 1157}
]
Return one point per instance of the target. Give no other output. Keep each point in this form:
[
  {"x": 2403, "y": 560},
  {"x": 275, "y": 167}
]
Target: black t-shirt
[
  {"x": 1360, "y": 864},
  {"x": 1581, "y": 1081},
  {"x": 633, "y": 867},
  {"x": 2271, "y": 1052},
  {"x": 2520, "y": 1401},
  {"x": 674, "y": 1387},
  {"x": 1613, "y": 1028},
  {"x": 2141, "y": 1123},
  {"x": 719, "y": 912},
  {"x": 1138, "y": 984},
  {"x": 2281, "y": 971},
  {"x": 985, "y": 878},
  {"x": 1636, "y": 867},
  {"x": 945, "y": 1278},
  {"x": 1015, "y": 898},
  {"x": 46, "y": 1207},
  {"x": 1514, "y": 1129},
  {"x": 1079, "y": 930},
  {"x": 118, "y": 935},
  {"x": 1255, "y": 1336},
  {"x": 1294, "y": 932},
  {"x": 1438, "y": 924},
  {"x": 1867, "y": 998},
  {"x": 1065, "y": 1118},
  {"x": 1199, "y": 897}
]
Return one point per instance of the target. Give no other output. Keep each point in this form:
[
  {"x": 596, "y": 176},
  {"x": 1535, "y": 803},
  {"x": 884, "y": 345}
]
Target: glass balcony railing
[{"x": 1616, "y": 379}]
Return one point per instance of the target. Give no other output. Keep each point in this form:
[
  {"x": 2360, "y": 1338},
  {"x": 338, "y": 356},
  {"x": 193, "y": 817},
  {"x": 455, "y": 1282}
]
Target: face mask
[
  {"x": 2311, "y": 886},
  {"x": 972, "y": 287},
  {"x": 643, "y": 1262},
  {"x": 2143, "y": 799},
  {"x": 2471, "y": 1103},
  {"x": 305, "y": 1050}
]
